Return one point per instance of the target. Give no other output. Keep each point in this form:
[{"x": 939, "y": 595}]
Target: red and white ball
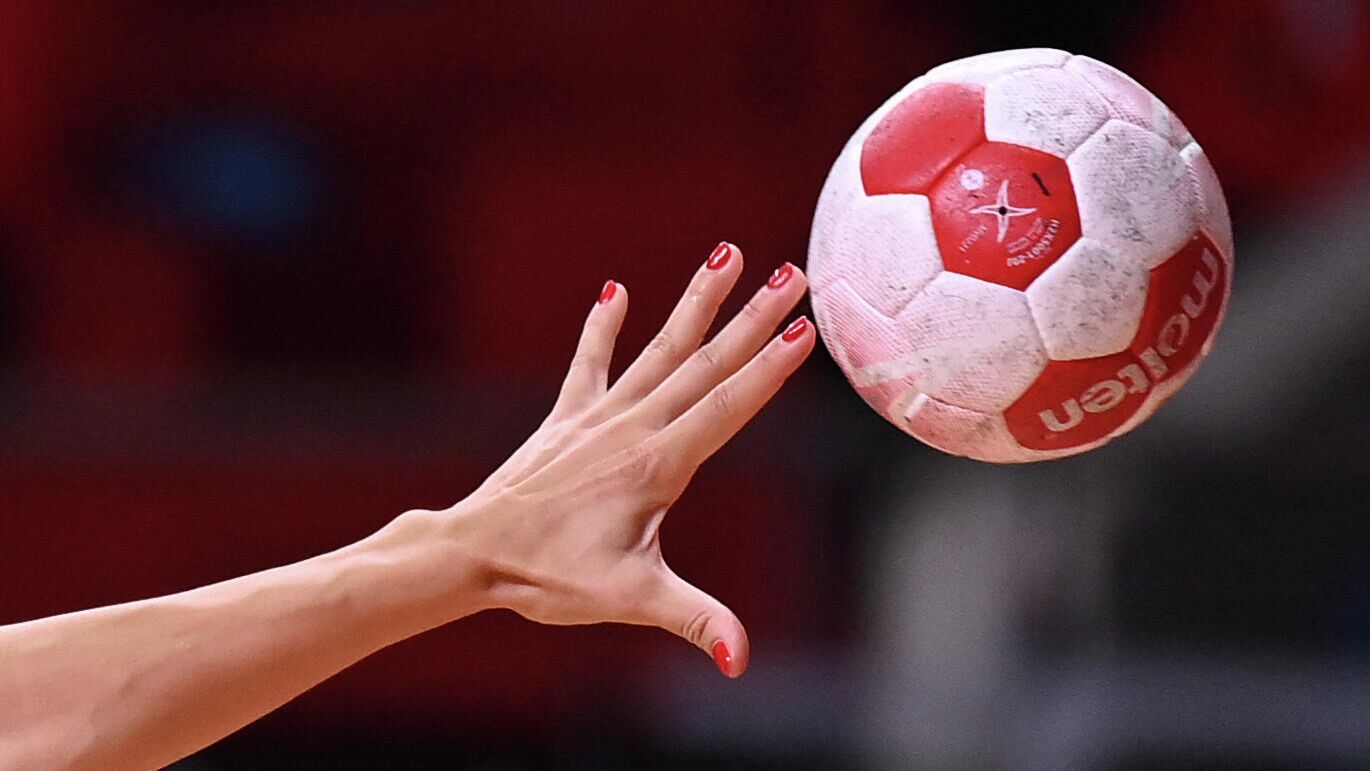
[{"x": 1020, "y": 256}]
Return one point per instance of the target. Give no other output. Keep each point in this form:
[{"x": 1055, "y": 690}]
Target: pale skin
[{"x": 565, "y": 532}]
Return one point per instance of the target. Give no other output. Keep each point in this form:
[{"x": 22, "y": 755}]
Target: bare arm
[
  {"x": 141, "y": 684},
  {"x": 565, "y": 532}
]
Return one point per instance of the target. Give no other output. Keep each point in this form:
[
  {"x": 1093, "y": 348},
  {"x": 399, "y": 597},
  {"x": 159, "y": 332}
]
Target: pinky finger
[
  {"x": 713, "y": 420},
  {"x": 588, "y": 376}
]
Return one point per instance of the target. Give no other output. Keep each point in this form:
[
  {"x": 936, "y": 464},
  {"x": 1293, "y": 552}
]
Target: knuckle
[
  {"x": 655, "y": 471},
  {"x": 644, "y": 464},
  {"x": 585, "y": 360},
  {"x": 695, "y": 626},
  {"x": 709, "y": 357},
  {"x": 721, "y": 399},
  {"x": 664, "y": 345},
  {"x": 752, "y": 311}
]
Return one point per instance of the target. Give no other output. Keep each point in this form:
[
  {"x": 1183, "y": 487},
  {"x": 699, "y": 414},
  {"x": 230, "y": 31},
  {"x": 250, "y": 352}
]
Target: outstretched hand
[
  {"x": 567, "y": 528},
  {"x": 565, "y": 532}
]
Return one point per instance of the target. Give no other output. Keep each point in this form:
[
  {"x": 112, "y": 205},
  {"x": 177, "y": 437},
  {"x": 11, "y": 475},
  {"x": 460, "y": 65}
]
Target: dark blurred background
[{"x": 273, "y": 273}]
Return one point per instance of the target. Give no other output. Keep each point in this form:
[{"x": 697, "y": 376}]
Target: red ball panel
[
  {"x": 1074, "y": 403},
  {"x": 1078, "y": 402},
  {"x": 1004, "y": 213},
  {"x": 1183, "y": 303},
  {"x": 921, "y": 137}
]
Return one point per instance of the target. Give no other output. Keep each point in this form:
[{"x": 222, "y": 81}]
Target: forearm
[{"x": 141, "y": 684}]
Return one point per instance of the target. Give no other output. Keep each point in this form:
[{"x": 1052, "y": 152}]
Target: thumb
[{"x": 688, "y": 612}]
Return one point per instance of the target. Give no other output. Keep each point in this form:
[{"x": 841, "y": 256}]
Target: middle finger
[
  {"x": 684, "y": 328},
  {"x": 730, "y": 348}
]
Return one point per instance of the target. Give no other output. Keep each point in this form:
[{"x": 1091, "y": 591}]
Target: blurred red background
[{"x": 272, "y": 273}]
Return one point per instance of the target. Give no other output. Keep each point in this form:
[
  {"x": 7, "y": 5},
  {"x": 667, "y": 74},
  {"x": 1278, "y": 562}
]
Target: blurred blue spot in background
[{"x": 242, "y": 179}]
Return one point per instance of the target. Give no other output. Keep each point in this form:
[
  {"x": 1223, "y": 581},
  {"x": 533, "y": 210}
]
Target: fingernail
[
  {"x": 780, "y": 276},
  {"x": 795, "y": 330},
  {"x": 723, "y": 658},
  {"x": 607, "y": 293},
  {"x": 719, "y": 257}
]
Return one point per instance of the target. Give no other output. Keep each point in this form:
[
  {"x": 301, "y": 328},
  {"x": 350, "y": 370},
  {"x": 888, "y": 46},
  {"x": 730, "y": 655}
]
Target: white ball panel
[
  {"x": 1130, "y": 100},
  {"x": 1216, "y": 223},
  {"x": 961, "y": 432},
  {"x": 842, "y": 188},
  {"x": 886, "y": 250},
  {"x": 986, "y": 67},
  {"x": 1047, "y": 109},
  {"x": 1089, "y": 302},
  {"x": 1134, "y": 193},
  {"x": 858, "y": 336},
  {"x": 969, "y": 343}
]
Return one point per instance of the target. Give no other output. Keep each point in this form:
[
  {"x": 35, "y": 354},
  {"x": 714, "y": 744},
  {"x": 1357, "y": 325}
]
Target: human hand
[{"x": 566, "y": 531}]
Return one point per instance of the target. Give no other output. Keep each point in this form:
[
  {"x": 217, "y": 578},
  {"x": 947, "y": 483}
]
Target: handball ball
[{"x": 1020, "y": 256}]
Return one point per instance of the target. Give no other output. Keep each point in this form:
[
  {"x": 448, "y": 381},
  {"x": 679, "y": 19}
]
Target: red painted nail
[
  {"x": 795, "y": 330},
  {"x": 780, "y": 276},
  {"x": 607, "y": 293},
  {"x": 719, "y": 257},
  {"x": 723, "y": 658}
]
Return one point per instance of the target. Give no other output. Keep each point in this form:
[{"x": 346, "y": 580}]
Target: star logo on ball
[{"x": 1002, "y": 210}]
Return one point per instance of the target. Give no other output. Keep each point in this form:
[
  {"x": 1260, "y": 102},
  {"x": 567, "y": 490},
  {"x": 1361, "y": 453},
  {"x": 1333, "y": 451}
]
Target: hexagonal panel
[
  {"x": 1089, "y": 303},
  {"x": 1215, "y": 220},
  {"x": 1134, "y": 193},
  {"x": 1183, "y": 306},
  {"x": 970, "y": 344},
  {"x": 858, "y": 336},
  {"x": 1077, "y": 403},
  {"x": 1004, "y": 213},
  {"x": 840, "y": 190},
  {"x": 921, "y": 136},
  {"x": 983, "y": 68},
  {"x": 1129, "y": 100},
  {"x": 960, "y": 431},
  {"x": 1047, "y": 109},
  {"x": 885, "y": 249}
]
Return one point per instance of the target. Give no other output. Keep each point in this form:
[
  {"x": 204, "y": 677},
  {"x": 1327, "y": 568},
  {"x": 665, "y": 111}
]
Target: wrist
[{"x": 420, "y": 574}]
